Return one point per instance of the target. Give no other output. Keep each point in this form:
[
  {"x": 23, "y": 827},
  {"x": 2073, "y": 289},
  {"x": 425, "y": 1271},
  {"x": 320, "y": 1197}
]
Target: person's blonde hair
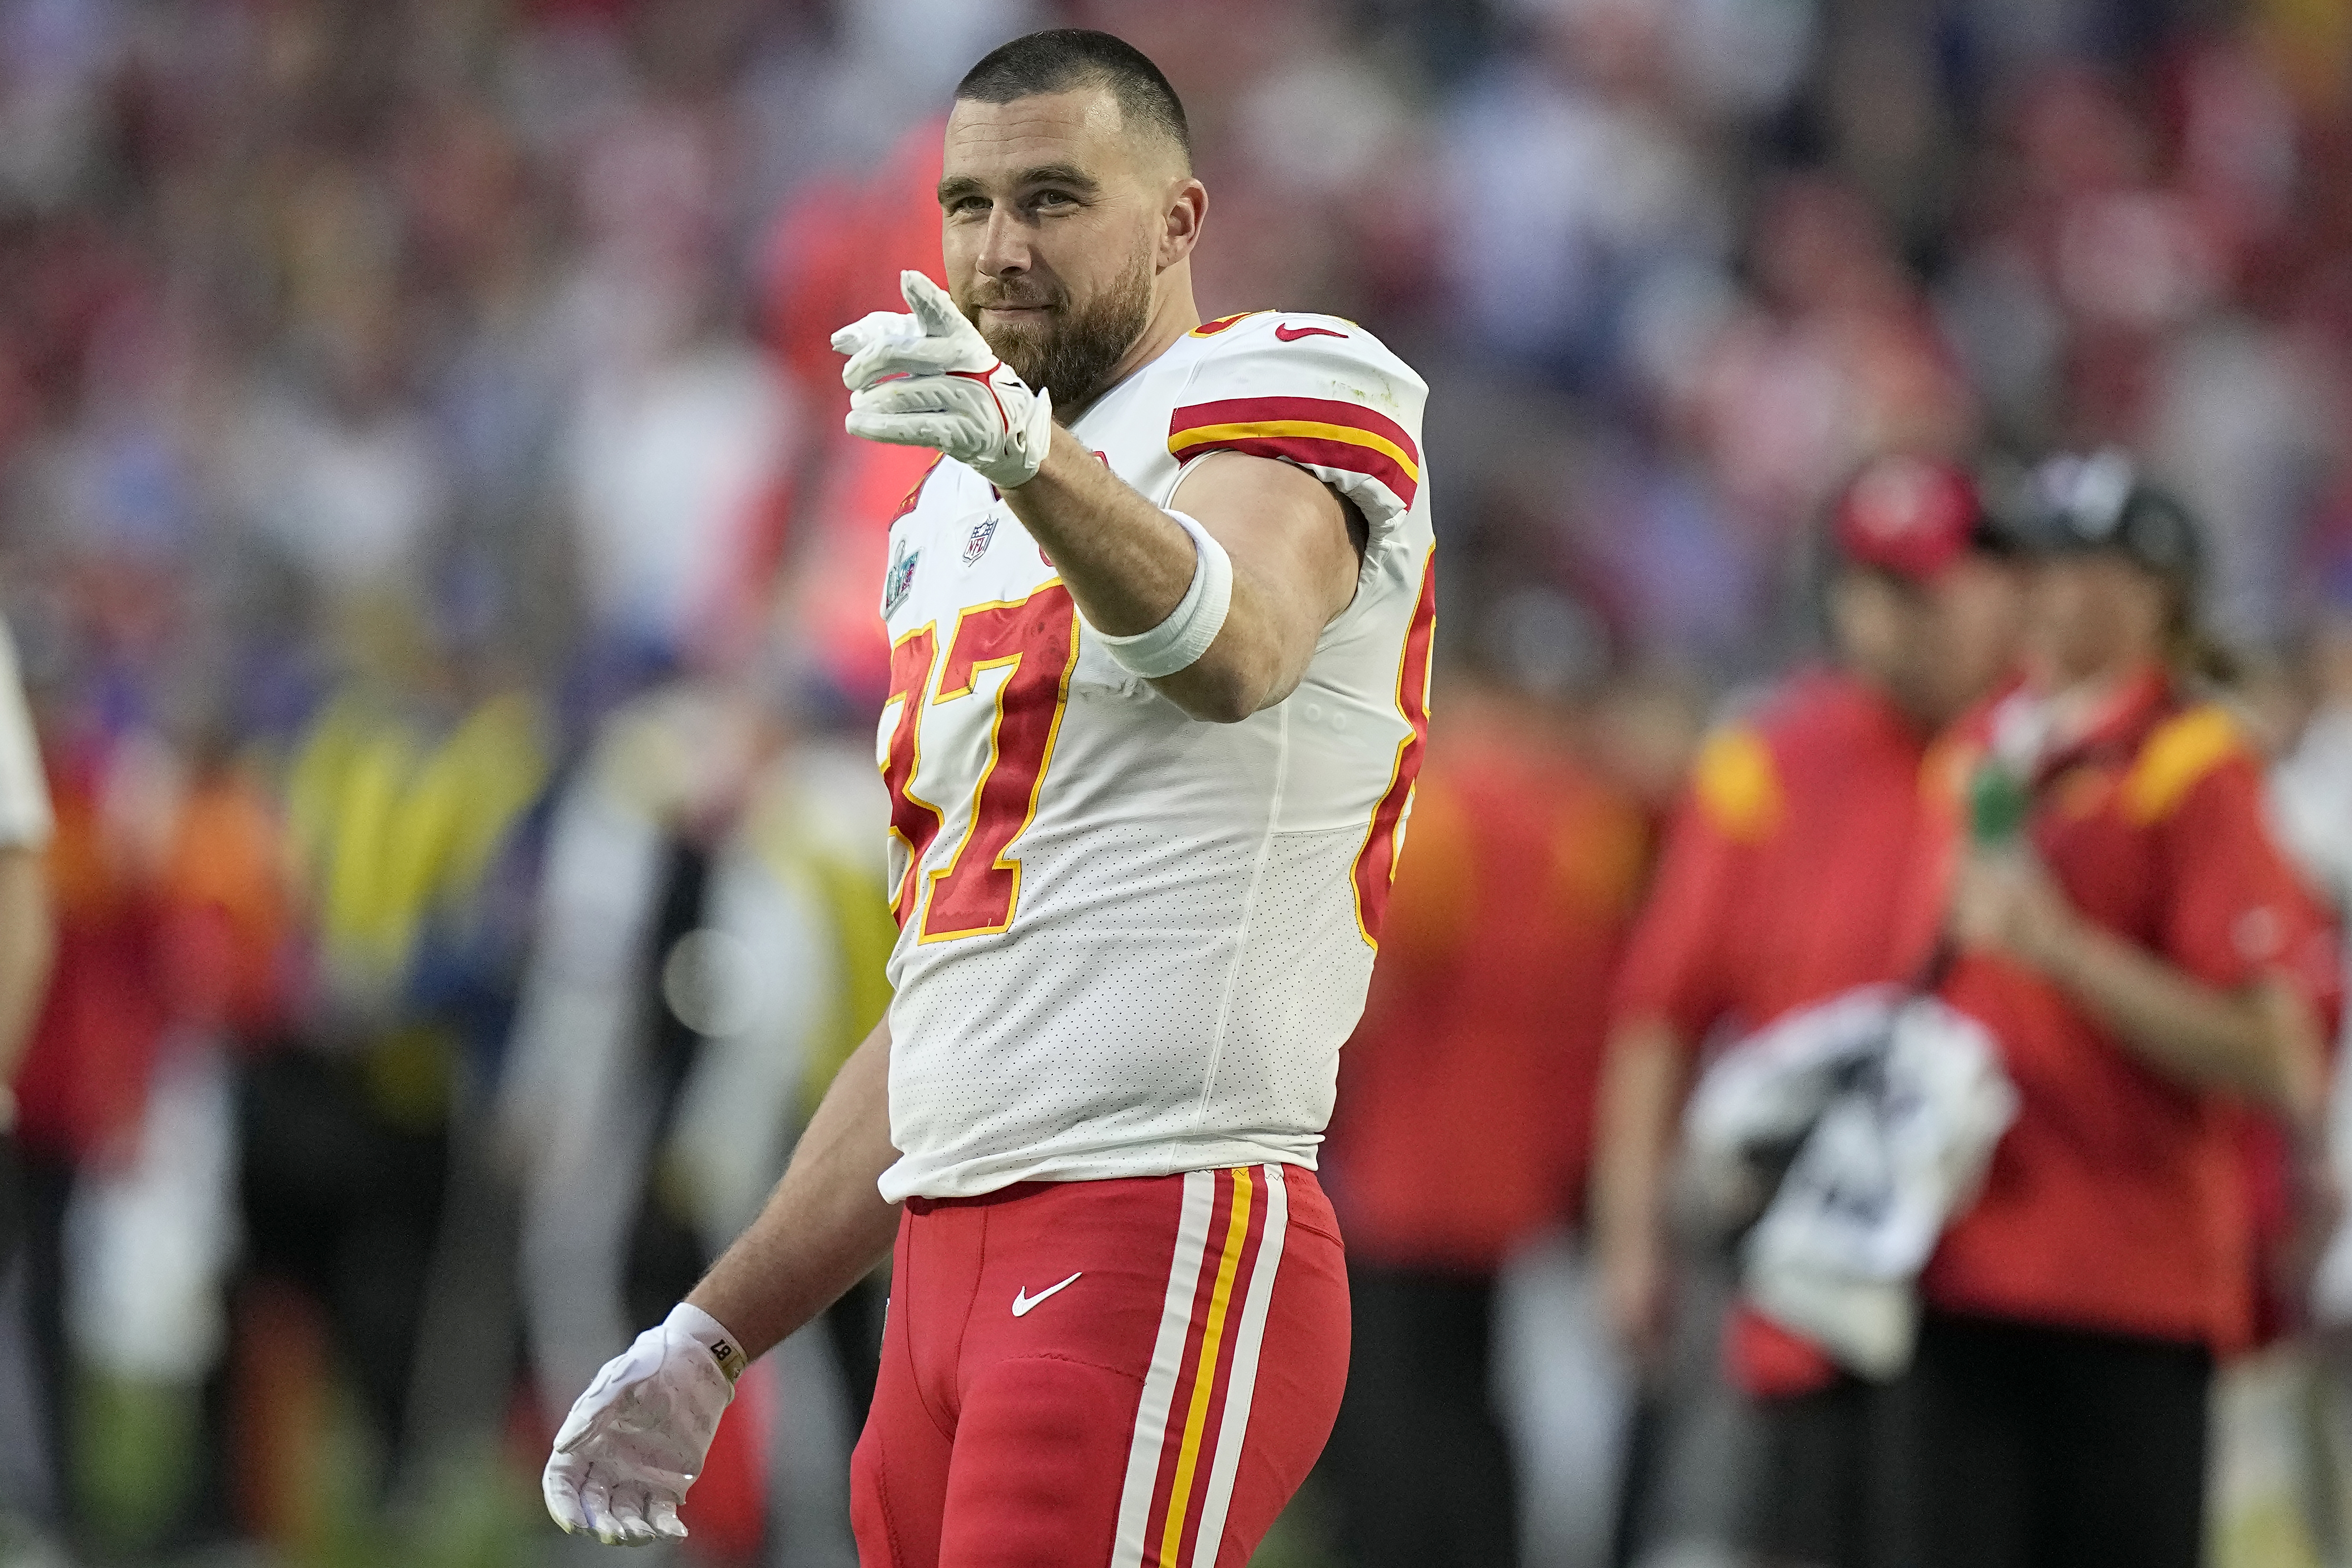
[{"x": 2192, "y": 652}]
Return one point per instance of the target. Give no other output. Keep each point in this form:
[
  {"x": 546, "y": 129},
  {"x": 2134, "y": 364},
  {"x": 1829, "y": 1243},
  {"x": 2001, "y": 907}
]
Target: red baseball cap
[{"x": 1909, "y": 515}]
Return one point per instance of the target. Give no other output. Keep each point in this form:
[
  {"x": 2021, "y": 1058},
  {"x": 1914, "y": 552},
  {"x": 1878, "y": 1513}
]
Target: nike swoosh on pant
[{"x": 1022, "y": 1300}]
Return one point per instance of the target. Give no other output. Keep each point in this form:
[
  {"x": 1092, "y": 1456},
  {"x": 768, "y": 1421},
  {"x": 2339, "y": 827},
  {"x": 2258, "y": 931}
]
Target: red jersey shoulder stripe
[
  {"x": 1352, "y": 419},
  {"x": 1317, "y": 432},
  {"x": 915, "y": 492},
  {"x": 1211, "y": 328}
]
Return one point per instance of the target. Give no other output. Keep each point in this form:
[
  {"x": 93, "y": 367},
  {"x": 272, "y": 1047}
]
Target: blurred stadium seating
[{"x": 424, "y": 515}]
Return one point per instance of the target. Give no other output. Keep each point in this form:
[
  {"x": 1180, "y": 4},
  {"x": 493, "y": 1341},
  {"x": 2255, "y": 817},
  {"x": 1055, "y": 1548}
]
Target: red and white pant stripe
[
  {"x": 1195, "y": 1412},
  {"x": 1130, "y": 1371}
]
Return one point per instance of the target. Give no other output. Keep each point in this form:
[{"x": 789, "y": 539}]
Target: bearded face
[{"x": 1070, "y": 347}]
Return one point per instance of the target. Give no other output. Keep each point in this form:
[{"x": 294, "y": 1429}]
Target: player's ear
[{"x": 1179, "y": 231}]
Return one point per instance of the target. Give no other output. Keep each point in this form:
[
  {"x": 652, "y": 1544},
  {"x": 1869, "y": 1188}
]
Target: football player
[{"x": 1160, "y": 620}]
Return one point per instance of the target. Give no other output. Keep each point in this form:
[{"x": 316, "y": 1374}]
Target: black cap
[{"x": 2103, "y": 501}]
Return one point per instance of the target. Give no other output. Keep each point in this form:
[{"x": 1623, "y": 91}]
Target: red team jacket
[
  {"x": 1813, "y": 855},
  {"x": 2120, "y": 1200},
  {"x": 1810, "y": 856}
]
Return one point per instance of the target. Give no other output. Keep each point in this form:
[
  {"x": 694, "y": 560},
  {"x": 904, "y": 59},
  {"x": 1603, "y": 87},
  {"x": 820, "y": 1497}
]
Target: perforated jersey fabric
[{"x": 1155, "y": 971}]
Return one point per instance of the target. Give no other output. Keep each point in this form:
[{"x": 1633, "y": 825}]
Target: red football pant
[{"x": 1133, "y": 1373}]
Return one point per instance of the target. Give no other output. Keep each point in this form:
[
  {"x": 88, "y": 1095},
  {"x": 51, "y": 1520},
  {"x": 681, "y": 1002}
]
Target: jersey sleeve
[
  {"x": 2235, "y": 907},
  {"x": 1317, "y": 391}
]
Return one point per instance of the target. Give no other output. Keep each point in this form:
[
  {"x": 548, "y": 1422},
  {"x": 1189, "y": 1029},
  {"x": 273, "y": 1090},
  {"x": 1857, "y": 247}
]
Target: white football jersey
[{"x": 1131, "y": 942}]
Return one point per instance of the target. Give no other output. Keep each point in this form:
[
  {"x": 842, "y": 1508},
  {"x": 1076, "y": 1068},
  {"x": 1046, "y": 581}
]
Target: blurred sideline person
[
  {"x": 1808, "y": 860},
  {"x": 707, "y": 954},
  {"x": 1160, "y": 686},
  {"x": 27, "y": 946},
  {"x": 401, "y": 811},
  {"x": 2311, "y": 795},
  {"x": 166, "y": 876},
  {"x": 1466, "y": 1107},
  {"x": 2151, "y": 967},
  {"x": 627, "y": 956},
  {"x": 27, "y": 923}
]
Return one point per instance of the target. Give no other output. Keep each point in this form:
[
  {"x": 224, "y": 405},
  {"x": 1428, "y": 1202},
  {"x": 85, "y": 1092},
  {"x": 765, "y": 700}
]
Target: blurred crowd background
[{"x": 448, "y": 605}]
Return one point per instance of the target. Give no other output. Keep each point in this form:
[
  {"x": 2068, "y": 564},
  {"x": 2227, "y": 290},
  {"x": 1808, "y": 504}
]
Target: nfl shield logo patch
[
  {"x": 983, "y": 533},
  {"x": 899, "y": 579}
]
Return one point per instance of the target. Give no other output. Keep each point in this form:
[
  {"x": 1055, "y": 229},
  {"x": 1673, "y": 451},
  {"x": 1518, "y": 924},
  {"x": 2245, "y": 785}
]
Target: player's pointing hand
[
  {"x": 930, "y": 379},
  {"x": 930, "y": 338},
  {"x": 634, "y": 1441}
]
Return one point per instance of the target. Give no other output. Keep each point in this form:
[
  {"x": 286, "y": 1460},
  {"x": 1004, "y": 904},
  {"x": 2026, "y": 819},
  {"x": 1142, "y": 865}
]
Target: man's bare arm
[
  {"x": 1641, "y": 1089},
  {"x": 1295, "y": 547},
  {"x": 826, "y": 1226},
  {"x": 2260, "y": 1041}
]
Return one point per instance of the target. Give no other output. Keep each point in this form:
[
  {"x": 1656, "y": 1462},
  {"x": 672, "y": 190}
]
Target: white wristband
[
  {"x": 711, "y": 1335},
  {"x": 1178, "y": 641}
]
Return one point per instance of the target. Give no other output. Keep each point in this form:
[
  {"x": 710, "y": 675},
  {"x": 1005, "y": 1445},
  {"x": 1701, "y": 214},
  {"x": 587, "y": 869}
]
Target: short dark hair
[{"x": 1064, "y": 58}]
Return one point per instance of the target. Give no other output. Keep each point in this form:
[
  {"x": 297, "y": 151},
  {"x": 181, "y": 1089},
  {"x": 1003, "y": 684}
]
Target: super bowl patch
[
  {"x": 983, "y": 533},
  {"x": 900, "y": 578}
]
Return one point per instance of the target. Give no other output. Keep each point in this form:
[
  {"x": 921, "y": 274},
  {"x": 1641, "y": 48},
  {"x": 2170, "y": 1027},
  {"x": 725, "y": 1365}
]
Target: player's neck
[{"x": 1173, "y": 314}]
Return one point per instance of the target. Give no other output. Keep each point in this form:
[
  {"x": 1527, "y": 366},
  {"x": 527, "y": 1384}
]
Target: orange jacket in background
[
  {"x": 188, "y": 930},
  {"x": 1466, "y": 1094}
]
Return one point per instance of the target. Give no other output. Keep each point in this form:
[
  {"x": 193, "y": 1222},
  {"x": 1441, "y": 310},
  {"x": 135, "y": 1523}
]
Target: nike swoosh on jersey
[
  {"x": 1022, "y": 1300},
  {"x": 1292, "y": 334}
]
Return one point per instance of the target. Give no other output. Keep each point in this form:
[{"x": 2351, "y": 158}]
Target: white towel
[{"x": 1899, "y": 1101}]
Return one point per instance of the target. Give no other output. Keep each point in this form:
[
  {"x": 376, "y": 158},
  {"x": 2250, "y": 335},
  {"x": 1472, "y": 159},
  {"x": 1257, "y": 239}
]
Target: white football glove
[
  {"x": 634, "y": 1441},
  {"x": 952, "y": 392}
]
